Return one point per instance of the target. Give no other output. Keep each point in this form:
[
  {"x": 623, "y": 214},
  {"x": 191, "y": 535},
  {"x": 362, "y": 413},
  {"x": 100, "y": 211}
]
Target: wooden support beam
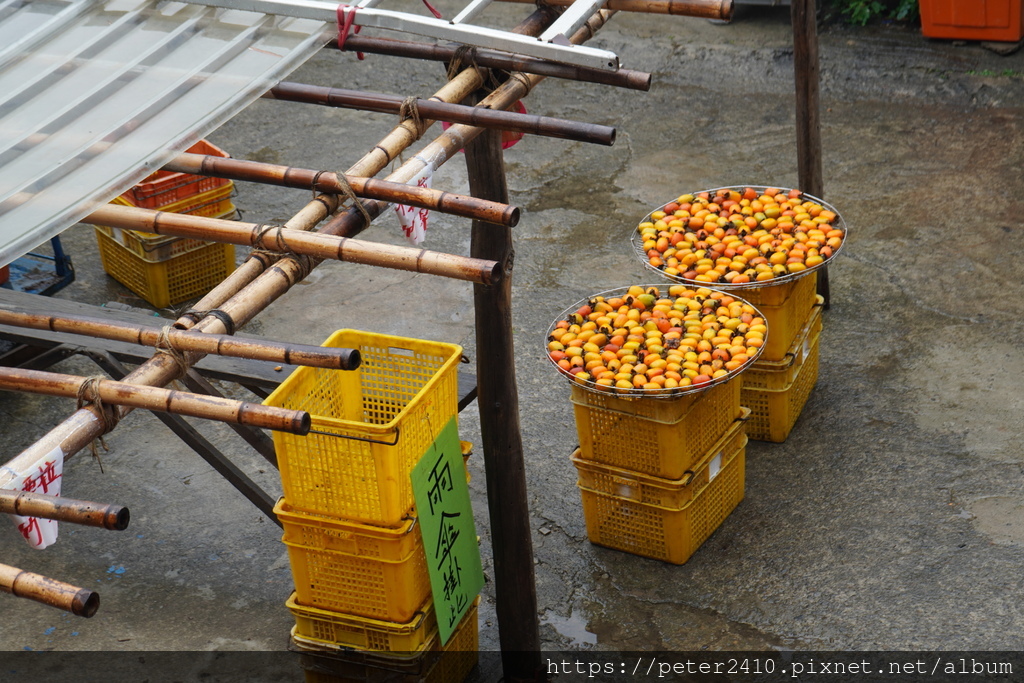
[
  {"x": 806, "y": 73},
  {"x": 182, "y": 340},
  {"x": 498, "y": 401},
  {"x": 707, "y": 9},
  {"x": 262, "y": 443}
]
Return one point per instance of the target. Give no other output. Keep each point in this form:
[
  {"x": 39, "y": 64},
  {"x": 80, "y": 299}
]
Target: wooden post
[
  {"x": 498, "y": 400},
  {"x": 808, "y": 108}
]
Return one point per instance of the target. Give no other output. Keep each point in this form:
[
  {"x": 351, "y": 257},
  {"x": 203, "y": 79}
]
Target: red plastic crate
[
  {"x": 995, "y": 20},
  {"x": 166, "y": 187}
]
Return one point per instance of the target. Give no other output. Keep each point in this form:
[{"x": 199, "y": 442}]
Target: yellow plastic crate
[
  {"x": 785, "y": 318},
  {"x": 152, "y": 247},
  {"x": 658, "y": 437},
  {"x": 774, "y": 412},
  {"x": 630, "y": 485},
  {"x": 670, "y": 533},
  {"x": 326, "y": 629},
  {"x": 377, "y": 421},
  {"x": 779, "y": 374},
  {"x": 171, "y": 281},
  {"x": 435, "y": 664},
  {"x": 345, "y": 566},
  {"x": 776, "y": 295}
]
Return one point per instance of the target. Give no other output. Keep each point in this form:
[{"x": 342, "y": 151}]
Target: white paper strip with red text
[
  {"x": 412, "y": 218},
  {"x": 44, "y": 476}
]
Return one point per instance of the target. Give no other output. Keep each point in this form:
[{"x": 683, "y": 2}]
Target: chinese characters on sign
[
  {"x": 449, "y": 533},
  {"x": 43, "y": 477}
]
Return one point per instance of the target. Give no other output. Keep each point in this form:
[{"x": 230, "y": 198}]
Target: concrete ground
[{"x": 891, "y": 519}]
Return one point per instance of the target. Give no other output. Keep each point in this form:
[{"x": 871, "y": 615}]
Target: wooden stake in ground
[
  {"x": 79, "y": 601},
  {"x": 807, "y": 77},
  {"x": 498, "y": 399},
  {"x": 28, "y": 504}
]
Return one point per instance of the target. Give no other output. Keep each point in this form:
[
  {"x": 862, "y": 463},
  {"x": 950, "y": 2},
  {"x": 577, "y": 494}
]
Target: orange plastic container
[
  {"x": 994, "y": 20},
  {"x": 166, "y": 187}
]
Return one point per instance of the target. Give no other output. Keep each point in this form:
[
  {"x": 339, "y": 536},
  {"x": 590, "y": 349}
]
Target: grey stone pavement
[{"x": 891, "y": 519}]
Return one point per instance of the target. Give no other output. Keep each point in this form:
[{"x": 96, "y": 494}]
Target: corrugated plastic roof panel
[{"x": 95, "y": 96}]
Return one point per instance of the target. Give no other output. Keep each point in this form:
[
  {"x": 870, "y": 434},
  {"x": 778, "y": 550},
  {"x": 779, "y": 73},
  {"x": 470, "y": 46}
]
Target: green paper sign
[{"x": 449, "y": 534}]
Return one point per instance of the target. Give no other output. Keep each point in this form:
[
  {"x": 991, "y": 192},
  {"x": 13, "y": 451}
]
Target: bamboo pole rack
[{"x": 324, "y": 228}]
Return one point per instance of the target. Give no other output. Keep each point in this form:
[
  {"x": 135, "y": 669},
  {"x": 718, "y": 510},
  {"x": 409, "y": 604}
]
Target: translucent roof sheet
[{"x": 95, "y": 96}]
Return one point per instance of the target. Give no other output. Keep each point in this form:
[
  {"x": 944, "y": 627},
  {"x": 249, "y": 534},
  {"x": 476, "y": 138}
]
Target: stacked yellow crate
[
  {"x": 362, "y": 590},
  {"x": 168, "y": 270},
  {"x": 778, "y": 384},
  {"x": 658, "y": 475}
]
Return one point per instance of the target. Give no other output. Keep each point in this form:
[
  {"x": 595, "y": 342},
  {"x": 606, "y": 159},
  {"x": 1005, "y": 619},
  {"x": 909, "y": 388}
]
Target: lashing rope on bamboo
[
  {"x": 350, "y": 194},
  {"x": 464, "y": 57},
  {"x": 166, "y": 347},
  {"x": 89, "y": 392},
  {"x": 259, "y": 235},
  {"x": 410, "y": 110}
]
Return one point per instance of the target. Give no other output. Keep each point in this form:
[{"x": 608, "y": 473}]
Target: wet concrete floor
[{"x": 891, "y": 518}]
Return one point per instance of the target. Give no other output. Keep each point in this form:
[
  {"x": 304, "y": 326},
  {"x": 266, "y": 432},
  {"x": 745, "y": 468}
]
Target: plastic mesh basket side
[{"x": 375, "y": 423}]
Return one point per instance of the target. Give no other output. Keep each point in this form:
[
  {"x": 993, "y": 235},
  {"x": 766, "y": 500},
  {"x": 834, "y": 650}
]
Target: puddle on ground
[
  {"x": 619, "y": 621},
  {"x": 1001, "y": 518},
  {"x": 573, "y": 628}
]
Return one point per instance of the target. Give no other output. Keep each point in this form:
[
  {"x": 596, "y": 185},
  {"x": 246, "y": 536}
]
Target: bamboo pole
[
  {"x": 621, "y": 78},
  {"x": 706, "y": 9},
  {"x": 443, "y": 111},
  {"x": 28, "y": 504},
  {"x": 155, "y": 398},
  {"x": 314, "y": 244},
  {"x": 79, "y": 601},
  {"x": 179, "y": 340},
  {"x": 323, "y": 181}
]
